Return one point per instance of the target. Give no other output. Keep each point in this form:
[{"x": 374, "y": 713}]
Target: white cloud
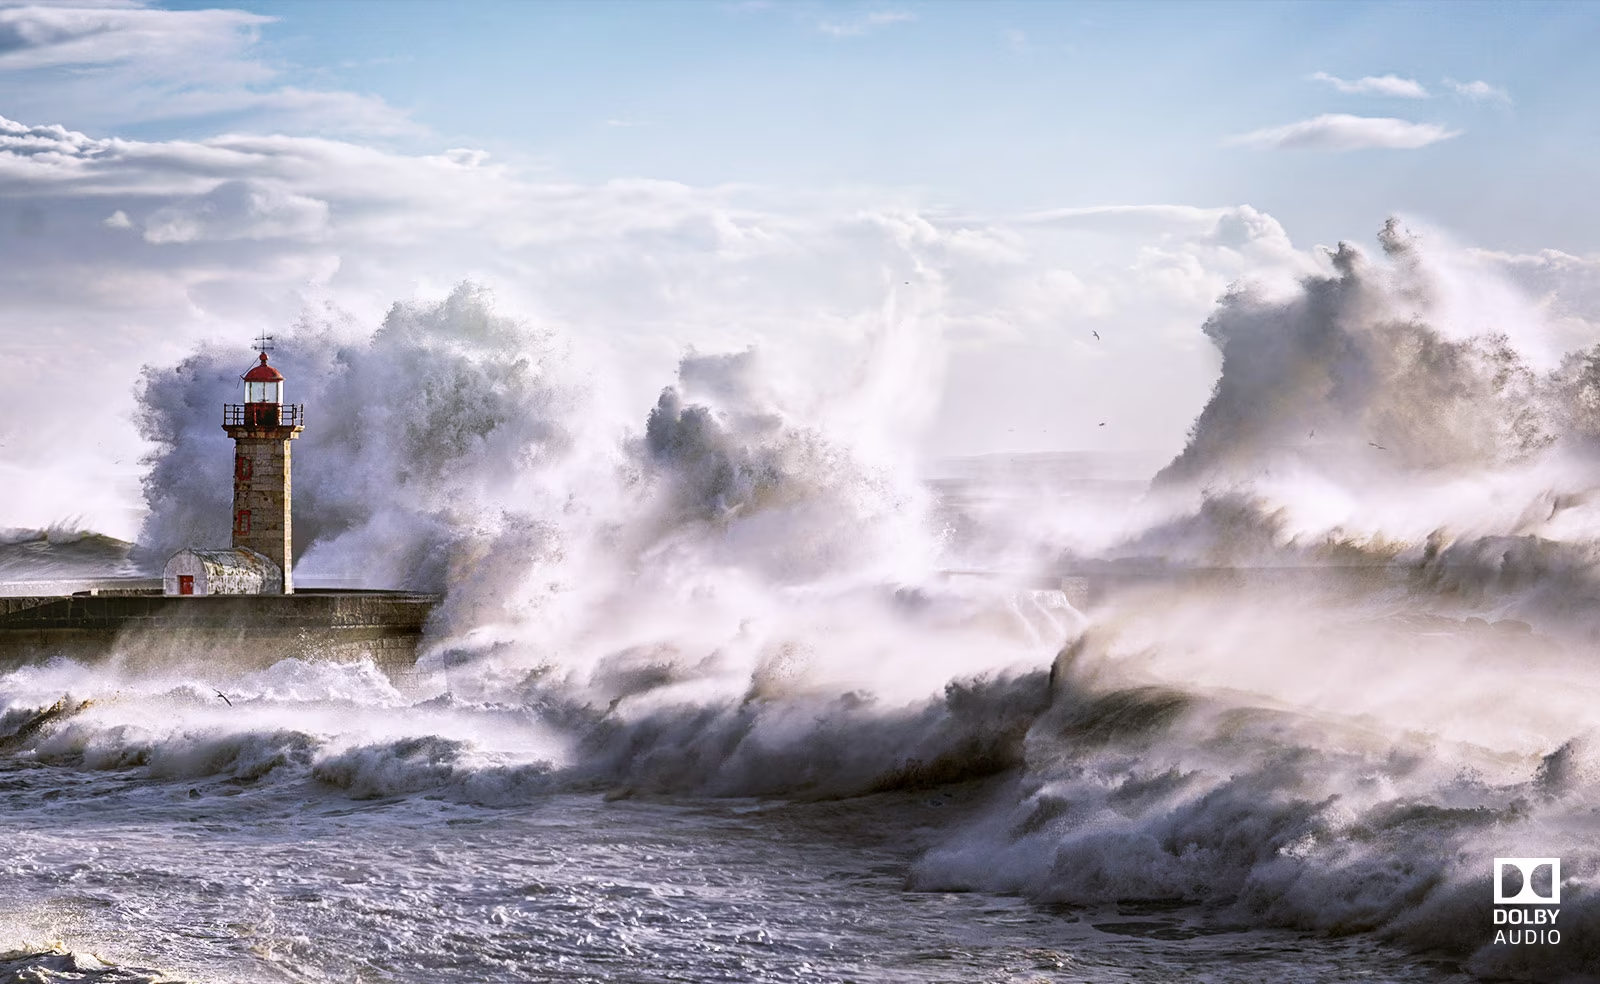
[
  {"x": 866, "y": 23},
  {"x": 1376, "y": 85},
  {"x": 239, "y": 210},
  {"x": 466, "y": 156},
  {"x": 1124, "y": 217},
  {"x": 110, "y": 65},
  {"x": 1479, "y": 90},
  {"x": 1340, "y": 131},
  {"x": 77, "y": 36},
  {"x": 118, "y": 220}
]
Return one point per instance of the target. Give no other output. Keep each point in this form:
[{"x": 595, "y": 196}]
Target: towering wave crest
[
  {"x": 1357, "y": 361},
  {"x": 757, "y": 489},
  {"x": 1367, "y": 421}
]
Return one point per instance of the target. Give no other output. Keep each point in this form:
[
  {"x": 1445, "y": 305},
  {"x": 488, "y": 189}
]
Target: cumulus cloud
[
  {"x": 1340, "y": 131},
  {"x": 1479, "y": 91},
  {"x": 112, "y": 64},
  {"x": 82, "y": 35},
  {"x": 1376, "y": 85},
  {"x": 865, "y": 24},
  {"x": 1153, "y": 217},
  {"x": 238, "y": 210}
]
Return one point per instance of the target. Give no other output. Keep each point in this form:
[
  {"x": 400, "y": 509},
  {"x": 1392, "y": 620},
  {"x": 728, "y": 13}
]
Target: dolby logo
[
  {"x": 1526, "y": 891},
  {"x": 1517, "y": 881}
]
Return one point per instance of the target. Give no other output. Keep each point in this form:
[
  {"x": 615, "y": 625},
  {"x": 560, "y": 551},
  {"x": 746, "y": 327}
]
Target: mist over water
[{"x": 1335, "y": 659}]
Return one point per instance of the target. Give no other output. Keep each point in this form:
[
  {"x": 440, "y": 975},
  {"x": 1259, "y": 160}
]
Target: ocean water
[
  {"x": 1061, "y": 824},
  {"x": 220, "y": 852},
  {"x": 731, "y": 693}
]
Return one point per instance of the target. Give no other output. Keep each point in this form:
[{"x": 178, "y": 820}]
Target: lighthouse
[
  {"x": 262, "y": 428},
  {"x": 228, "y": 607}
]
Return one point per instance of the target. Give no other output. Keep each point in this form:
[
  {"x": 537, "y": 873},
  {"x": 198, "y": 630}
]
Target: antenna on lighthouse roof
[{"x": 264, "y": 342}]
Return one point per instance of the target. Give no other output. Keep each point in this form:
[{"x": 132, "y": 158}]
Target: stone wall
[
  {"x": 262, "y": 499},
  {"x": 240, "y": 631}
]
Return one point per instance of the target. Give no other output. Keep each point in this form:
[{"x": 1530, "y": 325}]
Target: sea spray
[
  {"x": 1341, "y": 735},
  {"x": 1353, "y": 364},
  {"x": 447, "y": 423},
  {"x": 734, "y": 596}
]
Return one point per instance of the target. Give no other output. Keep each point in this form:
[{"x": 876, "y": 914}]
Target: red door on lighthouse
[{"x": 186, "y": 584}]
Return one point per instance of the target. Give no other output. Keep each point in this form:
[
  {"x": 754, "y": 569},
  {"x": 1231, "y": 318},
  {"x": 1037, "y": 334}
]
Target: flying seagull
[
  {"x": 225, "y": 699},
  {"x": 1378, "y": 446},
  {"x": 1102, "y": 423},
  {"x": 1096, "y": 335}
]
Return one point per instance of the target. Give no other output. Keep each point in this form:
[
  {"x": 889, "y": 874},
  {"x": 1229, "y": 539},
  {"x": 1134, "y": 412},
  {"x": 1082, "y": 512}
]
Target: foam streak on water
[{"x": 271, "y": 886}]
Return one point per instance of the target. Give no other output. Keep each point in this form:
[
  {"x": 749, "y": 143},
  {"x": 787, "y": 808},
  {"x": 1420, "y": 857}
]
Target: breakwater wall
[{"x": 242, "y": 631}]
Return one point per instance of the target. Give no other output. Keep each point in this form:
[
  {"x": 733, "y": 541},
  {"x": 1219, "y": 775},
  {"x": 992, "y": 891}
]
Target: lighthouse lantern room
[{"x": 263, "y": 383}]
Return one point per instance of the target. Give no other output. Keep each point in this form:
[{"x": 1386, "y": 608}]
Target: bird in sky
[
  {"x": 225, "y": 699},
  {"x": 1378, "y": 446},
  {"x": 1102, "y": 423},
  {"x": 1096, "y": 335}
]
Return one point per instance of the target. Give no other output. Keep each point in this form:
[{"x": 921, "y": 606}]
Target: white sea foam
[{"x": 1334, "y": 662}]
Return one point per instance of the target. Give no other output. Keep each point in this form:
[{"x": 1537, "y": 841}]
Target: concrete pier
[{"x": 241, "y": 631}]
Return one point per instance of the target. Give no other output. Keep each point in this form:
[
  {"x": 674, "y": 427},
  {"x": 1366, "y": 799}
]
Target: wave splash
[{"x": 1336, "y": 659}]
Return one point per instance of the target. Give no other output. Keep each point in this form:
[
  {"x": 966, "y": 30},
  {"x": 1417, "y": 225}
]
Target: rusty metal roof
[{"x": 263, "y": 373}]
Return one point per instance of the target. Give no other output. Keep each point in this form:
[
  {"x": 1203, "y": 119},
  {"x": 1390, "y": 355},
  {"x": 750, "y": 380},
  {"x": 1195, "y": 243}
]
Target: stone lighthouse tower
[{"x": 262, "y": 428}]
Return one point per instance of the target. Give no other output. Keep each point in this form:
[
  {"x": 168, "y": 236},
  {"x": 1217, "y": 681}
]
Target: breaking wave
[{"x": 1336, "y": 660}]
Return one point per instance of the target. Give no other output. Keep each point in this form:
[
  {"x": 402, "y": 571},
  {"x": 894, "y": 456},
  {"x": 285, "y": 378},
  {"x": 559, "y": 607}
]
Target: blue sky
[
  {"x": 996, "y": 105},
  {"x": 1000, "y": 180}
]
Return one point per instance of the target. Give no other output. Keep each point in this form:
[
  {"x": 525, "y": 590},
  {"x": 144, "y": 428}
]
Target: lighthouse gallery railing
[{"x": 264, "y": 415}]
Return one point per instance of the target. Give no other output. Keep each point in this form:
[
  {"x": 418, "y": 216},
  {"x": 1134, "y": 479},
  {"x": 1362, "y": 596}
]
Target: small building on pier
[{"x": 236, "y": 571}]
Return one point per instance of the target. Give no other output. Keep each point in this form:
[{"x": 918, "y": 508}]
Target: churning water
[
  {"x": 217, "y": 854},
  {"x": 706, "y": 699}
]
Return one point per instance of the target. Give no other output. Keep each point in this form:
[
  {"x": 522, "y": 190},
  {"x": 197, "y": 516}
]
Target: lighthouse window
[
  {"x": 261, "y": 392},
  {"x": 242, "y": 469},
  {"x": 241, "y": 522}
]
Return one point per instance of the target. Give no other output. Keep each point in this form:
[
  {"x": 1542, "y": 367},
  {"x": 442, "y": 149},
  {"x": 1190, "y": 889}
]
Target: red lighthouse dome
[{"x": 263, "y": 384}]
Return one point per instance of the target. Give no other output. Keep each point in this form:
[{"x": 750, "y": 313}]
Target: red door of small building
[{"x": 186, "y": 584}]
